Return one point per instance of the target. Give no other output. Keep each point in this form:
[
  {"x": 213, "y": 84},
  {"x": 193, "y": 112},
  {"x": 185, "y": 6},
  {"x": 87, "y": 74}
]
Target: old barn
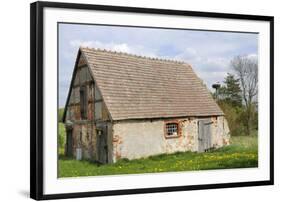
[{"x": 126, "y": 106}]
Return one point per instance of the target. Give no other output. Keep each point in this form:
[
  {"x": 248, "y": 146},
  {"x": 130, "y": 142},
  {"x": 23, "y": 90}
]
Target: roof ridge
[{"x": 133, "y": 55}]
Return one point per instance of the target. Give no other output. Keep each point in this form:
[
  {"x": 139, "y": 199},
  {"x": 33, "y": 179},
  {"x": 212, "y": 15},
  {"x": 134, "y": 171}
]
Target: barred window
[{"x": 171, "y": 129}]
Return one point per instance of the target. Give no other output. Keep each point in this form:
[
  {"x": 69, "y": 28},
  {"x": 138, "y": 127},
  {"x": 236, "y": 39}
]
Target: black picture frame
[{"x": 36, "y": 98}]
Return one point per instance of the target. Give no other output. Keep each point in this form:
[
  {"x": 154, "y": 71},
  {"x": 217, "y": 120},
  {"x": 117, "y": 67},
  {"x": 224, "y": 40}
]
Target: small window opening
[
  {"x": 172, "y": 130},
  {"x": 83, "y": 103}
]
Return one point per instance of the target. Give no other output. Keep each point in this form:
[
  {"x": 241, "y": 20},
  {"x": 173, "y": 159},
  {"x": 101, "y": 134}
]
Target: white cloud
[
  {"x": 123, "y": 47},
  {"x": 120, "y": 47},
  {"x": 189, "y": 55},
  {"x": 211, "y": 69},
  {"x": 77, "y": 43},
  {"x": 252, "y": 56},
  {"x": 216, "y": 64}
]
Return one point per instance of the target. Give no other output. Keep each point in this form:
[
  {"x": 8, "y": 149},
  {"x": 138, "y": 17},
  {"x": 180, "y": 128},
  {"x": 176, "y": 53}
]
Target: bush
[
  {"x": 235, "y": 118},
  {"x": 61, "y": 110},
  {"x": 61, "y": 136},
  {"x": 61, "y": 132}
]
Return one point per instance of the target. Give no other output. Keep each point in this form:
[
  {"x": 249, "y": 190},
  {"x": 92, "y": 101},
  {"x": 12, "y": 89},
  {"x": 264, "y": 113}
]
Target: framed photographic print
[{"x": 131, "y": 100}]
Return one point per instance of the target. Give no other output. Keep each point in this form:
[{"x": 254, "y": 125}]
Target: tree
[
  {"x": 234, "y": 117},
  {"x": 246, "y": 69},
  {"x": 231, "y": 92},
  {"x": 230, "y": 100}
]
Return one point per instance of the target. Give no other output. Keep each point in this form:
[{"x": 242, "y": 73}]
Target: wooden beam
[
  {"x": 83, "y": 84},
  {"x": 82, "y": 66},
  {"x": 99, "y": 100}
]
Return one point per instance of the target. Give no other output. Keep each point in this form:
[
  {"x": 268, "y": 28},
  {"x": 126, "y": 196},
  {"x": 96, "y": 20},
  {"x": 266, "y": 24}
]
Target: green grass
[{"x": 242, "y": 153}]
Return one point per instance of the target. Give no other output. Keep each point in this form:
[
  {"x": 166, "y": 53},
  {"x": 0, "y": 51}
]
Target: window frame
[{"x": 178, "y": 129}]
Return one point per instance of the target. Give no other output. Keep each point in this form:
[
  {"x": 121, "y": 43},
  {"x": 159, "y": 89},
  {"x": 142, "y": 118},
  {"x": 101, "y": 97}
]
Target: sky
[{"x": 208, "y": 52}]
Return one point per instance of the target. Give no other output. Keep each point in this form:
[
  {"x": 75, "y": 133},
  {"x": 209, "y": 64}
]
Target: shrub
[
  {"x": 235, "y": 118},
  {"x": 61, "y": 110},
  {"x": 61, "y": 136}
]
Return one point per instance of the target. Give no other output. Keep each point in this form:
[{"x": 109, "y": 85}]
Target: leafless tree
[{"x": 246, "y": 68}]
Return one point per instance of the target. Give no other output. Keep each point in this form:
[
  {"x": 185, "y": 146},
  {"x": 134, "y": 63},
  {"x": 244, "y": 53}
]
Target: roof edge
[
  {"x": 70, "y": 86},
  {"x": 163, "y": 117},
  {"x": 133, "y": 55}
]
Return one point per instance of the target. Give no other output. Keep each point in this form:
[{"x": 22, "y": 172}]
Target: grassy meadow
[{"x": 241, "y": 153}]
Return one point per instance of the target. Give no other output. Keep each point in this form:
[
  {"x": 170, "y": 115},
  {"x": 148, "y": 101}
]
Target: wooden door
[
  {"x": 69, "y": 146},
  {"x": 102, "y": 148},
  {"x": 204, "y": 135}
]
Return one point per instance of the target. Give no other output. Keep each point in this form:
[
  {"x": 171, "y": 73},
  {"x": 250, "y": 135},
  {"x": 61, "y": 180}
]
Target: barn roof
[{"x": 136, "y": 87}]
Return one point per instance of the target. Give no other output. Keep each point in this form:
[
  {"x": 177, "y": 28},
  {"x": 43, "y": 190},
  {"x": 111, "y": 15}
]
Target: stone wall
[
  {"x": 145, "y": 138},
  {"x": 220, "y": 132},
  {"x": 137, "y": 139}
]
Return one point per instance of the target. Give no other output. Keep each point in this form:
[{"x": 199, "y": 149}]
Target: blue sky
[{"x": 208, "y": 52}]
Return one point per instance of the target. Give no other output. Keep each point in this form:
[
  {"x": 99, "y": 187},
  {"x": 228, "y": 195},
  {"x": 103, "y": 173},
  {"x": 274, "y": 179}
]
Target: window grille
[{"x": 171, "y": 129}]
